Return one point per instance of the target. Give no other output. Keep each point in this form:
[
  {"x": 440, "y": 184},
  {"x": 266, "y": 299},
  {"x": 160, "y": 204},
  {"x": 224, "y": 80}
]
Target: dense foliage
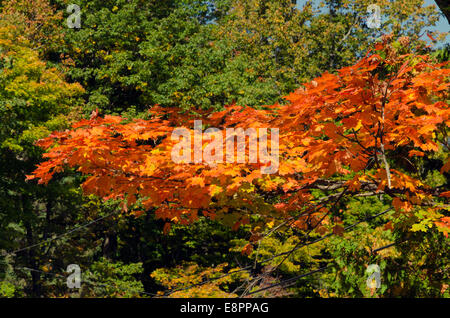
[{"x": 363, "y": 175}]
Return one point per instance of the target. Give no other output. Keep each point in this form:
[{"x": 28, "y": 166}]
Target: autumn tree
[
  {"x": 38, "y": 21},
  {"x": 366, "y": 131}
]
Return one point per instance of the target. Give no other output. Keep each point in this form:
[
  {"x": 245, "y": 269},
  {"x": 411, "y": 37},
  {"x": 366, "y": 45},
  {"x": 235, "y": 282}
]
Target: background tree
[
  {"x": 35, "y": 100},
  {"x": 202, "y": 54}
]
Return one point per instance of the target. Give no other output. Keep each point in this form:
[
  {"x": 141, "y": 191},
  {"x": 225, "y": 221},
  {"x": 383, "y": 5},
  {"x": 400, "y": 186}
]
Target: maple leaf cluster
[{"x": 339, "y": 131}]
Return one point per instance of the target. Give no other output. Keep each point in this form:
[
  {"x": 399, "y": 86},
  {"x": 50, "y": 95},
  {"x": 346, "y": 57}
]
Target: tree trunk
[
  {"x": 110, "y": 246},
  {"x": 445, "y": 8},
  {"x": 32, "y": 263}
]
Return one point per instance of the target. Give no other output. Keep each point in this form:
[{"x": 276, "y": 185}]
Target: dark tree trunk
[
  {"x": 32, "y": 262},
  {"x": 110, "y": 246},
  {"x": 445, "y": 8}
]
